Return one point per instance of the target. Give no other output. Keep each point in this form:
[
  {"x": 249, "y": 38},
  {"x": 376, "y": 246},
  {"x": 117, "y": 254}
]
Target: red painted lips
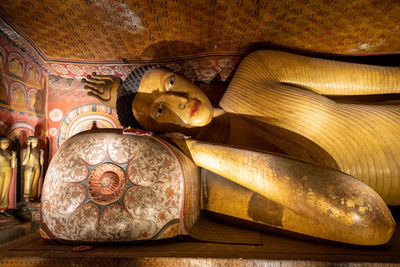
[{"x": 195, "y": 108}]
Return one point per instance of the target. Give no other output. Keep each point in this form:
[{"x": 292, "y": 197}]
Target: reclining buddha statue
[{"x": 278, "y": 151}]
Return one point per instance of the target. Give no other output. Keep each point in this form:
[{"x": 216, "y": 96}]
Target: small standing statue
[
  {"x": 7, "y": 175},
  {"x": 32, "y": 160}
]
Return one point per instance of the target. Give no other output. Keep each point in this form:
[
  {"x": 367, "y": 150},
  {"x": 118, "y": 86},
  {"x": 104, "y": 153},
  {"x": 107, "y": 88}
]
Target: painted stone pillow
[{"x": 103, "y": 186}]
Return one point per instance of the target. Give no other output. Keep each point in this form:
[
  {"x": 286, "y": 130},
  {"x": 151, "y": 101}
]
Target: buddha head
[
  {"x": 158, "y": 99},
  {"x": 4, "y": 143},
  {"x": 32, "y": 141}
]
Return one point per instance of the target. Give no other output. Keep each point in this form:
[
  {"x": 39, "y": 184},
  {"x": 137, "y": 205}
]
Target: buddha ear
[{"x": 218, "y": 112}]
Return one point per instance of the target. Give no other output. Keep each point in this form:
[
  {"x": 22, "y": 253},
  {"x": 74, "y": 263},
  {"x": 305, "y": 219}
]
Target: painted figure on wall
[
  {"x": 3, "y": 91},
  {"x": 16, "y": 67},
  {"x": 1, "y": 60},
  {"x": 7, "y": 175},
  {"x": 32, "y": 160},
  {"x": 18, "y": 96},
  {"x": 33, "y": 74},
  {"x": 277, "y": 103},
  {"x": 35, "y": 100}
]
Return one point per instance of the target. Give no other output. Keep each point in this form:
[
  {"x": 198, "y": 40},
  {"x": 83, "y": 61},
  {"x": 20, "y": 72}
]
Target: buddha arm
[
  {"x": 41, "y": 159},
  {"x": 25, "y": 155},
  {"x": 328, "y": 77},
  {"x": 332, "y": 205},
  {"x": 13, "y": 159},
  {"x": 361, "y": 139}
]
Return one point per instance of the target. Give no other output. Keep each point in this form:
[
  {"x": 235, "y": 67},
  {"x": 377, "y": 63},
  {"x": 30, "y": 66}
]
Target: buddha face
[
  {"x": 34, "y": 142},
  {"x": 166, "y": 98},
  {"x": 4, "y": 144}
]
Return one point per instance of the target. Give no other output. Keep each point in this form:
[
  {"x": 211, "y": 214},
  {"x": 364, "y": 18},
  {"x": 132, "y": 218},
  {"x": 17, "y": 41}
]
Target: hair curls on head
[
  {"x": 126, "y": 93},
  {"x": 4, "y": 138},
  {"x": 30, "y": 138}
]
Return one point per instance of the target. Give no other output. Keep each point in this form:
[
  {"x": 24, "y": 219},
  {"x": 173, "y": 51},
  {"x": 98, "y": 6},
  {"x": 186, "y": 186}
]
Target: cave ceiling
[{"x": 123, "y": 32}]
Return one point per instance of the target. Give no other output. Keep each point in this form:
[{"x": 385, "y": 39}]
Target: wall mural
[
  {"x": 2, "y": 57},
  {"x": 83, "y": 118},
  {"x": 22, "y": 119},
  {"x": 71, "y": 110},
  {"x": 35, "y": 100},
  {"x": 18, "y": 96},
  {"x": 22, "y": 94},
  {"x": 65, "y": 122},
  {"x": 3, "y": 91},
  {"x": 16, "y": 124}
]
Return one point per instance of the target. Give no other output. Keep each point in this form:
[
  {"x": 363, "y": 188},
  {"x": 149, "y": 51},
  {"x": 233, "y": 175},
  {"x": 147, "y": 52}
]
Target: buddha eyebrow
[{"x": 182, "y": 94}]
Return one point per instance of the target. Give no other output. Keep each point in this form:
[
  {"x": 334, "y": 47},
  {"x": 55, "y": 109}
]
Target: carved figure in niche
[
  {"x": 16, "y": 67},
  {"x": 18, "y": 97},
  {"x": 277, "y": 103},
  {"x": 7, "y": 175},
  {"x": 32, "y": 160}
]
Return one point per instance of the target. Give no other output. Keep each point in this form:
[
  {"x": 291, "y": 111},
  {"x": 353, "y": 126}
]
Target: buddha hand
[
  {"x": 181, "y": 141},
  {"x": 13, "y": 159},
  {"x": 102, "y": 87},
  {"x": 177, "y": 136},
  {"x": 41, "y": 157}
]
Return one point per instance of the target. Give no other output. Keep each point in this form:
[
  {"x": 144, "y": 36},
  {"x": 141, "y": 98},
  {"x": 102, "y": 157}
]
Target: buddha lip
[{"x": 195, "y": 108}]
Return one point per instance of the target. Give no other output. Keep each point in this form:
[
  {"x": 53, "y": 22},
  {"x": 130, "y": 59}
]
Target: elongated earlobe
[{"x": 218, "y": 112}]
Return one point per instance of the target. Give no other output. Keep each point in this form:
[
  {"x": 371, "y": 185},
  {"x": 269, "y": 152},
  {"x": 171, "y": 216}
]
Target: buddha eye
[
  {"x": 171, "y": 83},
  {"x": 159, "y": 111}
]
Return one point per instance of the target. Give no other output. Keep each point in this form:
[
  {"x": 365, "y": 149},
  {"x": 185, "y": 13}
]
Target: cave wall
[{"x": 23, "y": 85}]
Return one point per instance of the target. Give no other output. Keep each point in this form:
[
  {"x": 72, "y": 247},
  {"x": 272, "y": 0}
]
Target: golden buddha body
[
  {"x": 32, "y": 160},
  {"x": 7, "y": 163},
  {"x": 276, "y": 104}
]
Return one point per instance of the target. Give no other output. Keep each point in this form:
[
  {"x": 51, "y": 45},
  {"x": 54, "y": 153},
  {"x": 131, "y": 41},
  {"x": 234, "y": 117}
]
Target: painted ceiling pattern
[{"x": 126, "y": 31}]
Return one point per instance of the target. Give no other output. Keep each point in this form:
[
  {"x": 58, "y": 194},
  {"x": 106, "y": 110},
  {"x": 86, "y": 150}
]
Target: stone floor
[{"x": 274, "y": 250}]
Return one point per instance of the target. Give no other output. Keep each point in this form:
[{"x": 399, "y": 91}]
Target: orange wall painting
[{"x": 71, "y": 111}]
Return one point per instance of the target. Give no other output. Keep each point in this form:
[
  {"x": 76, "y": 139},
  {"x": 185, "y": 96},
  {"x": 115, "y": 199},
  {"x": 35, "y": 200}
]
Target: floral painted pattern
[
  {"x": 105, "y": 186},
  {"x": 113, "y": 30},
  {"x": 106, "y": 183},
  {"x": 199, "y": 69}
]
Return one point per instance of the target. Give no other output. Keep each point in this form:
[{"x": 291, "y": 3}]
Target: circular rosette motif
[
  {"x": 106, "y": 183},
  {"x": 104, "y": 186}
]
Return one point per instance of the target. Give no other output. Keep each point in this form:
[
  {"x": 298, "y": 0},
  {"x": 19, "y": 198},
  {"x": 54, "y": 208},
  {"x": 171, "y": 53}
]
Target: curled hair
[
  {"x": 126, "y": 93},
  {"x": 31, "y": 138},
  {"x": 4, "y": 138}
]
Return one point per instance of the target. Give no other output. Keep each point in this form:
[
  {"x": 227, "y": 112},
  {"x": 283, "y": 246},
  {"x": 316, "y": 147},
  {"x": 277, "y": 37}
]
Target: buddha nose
[{"x": 182, "y": 106}]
